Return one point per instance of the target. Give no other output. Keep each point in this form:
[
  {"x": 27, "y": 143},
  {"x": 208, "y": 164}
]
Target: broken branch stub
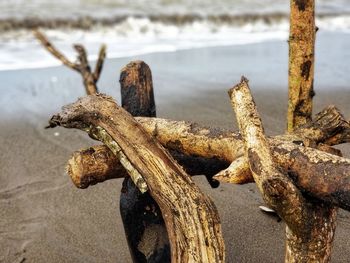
[
  {"x": 136, "y": 88},
  {"x": 191, "y": 217},
  {"x": 310, "y": 224},
  {"x": 93, "y": 165},
  {"x": 328, "y": 125},
  {"x": 142, "y": 219}
]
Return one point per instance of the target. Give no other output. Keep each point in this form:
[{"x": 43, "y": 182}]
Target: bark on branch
[
  {"x": 310, "y": 225},
  {"x": 287, "y": 151},
  {"x": 192, "y": 221},
  {"x": 301, "y": 62},
  {"x": 97, "y": 164},
  {"x": 145, "y": 231},
  {"x": 82, "y": 66}
]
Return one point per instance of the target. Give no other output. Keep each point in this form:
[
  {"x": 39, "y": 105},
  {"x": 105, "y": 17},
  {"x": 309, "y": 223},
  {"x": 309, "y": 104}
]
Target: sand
[{"x": 44, "y": 218}]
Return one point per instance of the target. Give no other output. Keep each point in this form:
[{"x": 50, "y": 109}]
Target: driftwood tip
[
  {"x": 244, "y": 82},
  {"x": 54, "y": 121}
]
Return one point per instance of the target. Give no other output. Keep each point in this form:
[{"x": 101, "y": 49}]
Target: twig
[{"x": 54, "y": 51}]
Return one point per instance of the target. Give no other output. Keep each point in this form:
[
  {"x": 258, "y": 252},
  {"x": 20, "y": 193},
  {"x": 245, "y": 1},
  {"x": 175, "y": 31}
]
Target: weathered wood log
[
  {"x": 97, "y": 164},
  {"x": 301, "y": 62},
  {"x": 82, "y": 66},
  {"x": 329, "y": 124},
  {"x": 94, "y": 165},
  {"x": 136, "y": 88},
  {"x": 215, "y": 143},
  {"x": 144, "y": 225},
  {"x": 310, "y": 225},
  {"x": 191, "y": 217}
]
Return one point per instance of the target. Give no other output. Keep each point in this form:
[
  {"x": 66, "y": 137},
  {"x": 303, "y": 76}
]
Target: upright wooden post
[
  {"x": 315, "y": 245},
  {"x": 143, "y": 222},
  {"x": 301, "y": 62}
]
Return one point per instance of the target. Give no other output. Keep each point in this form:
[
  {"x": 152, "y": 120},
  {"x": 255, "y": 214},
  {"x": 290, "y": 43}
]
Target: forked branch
[
  {"x": 82, "y": 65},
  {"x": 309, "y": 168}
]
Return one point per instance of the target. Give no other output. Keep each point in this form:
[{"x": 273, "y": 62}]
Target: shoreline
[{"x": 178, "y": 75}]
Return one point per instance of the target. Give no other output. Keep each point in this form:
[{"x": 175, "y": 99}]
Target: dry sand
[{"x": 44, "y": 218}]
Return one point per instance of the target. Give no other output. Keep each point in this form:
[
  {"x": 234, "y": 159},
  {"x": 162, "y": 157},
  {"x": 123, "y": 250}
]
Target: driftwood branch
[
  {"x": 54, "y": 51},
  {"x": 310, "y": 225},
  {"x": 237, "y": 173},
  {"x": 287, "y": 151},
  {"x": 192, "y": 221},
  {"x": 97, "y": 164},
  {"x": 94, "y": 165},
  {"x": 301, "y": 62},
  {"x": 82, "y": 65}
]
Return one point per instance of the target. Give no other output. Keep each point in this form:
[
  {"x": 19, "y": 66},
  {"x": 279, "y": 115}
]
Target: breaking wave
[{"x": 138, "y": 34}]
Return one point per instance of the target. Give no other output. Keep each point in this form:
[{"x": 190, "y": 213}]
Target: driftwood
[
  {"x": 144, "y": 225},
  {"x": 136, "y": 87},
  {"x": 309, "y": 168},
  {"x": 301, "y": 62},
  {"x": 315, "y": 241},
  {"x": 93, "y": 165},
  {"x": 97, "y": 164},
  {"x": 310, "y": 225},
  {"x": 82, "y": 66},
  {"x": 192, "y": 221}
]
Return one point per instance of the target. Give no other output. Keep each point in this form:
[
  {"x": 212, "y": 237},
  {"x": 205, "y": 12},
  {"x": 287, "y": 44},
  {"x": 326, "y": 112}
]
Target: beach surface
[{"x": 44, "y": 218}]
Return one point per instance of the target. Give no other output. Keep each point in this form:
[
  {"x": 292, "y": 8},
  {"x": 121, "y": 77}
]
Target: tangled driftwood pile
[{"x": 299, "y": 174}]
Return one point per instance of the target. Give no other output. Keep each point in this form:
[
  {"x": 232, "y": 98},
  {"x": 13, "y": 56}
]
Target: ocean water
[{"x": 131, "y": 28}]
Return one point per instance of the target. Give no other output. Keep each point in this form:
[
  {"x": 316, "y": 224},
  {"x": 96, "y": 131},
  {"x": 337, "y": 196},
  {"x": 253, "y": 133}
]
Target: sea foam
[{"x": 136, "y": 35}]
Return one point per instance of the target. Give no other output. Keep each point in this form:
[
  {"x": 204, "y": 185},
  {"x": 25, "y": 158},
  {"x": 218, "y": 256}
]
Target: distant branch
[
  {"x": 54, "y": 51},
  {"x": 99, "y": 63},
  {"x": 82, "y": 66}
]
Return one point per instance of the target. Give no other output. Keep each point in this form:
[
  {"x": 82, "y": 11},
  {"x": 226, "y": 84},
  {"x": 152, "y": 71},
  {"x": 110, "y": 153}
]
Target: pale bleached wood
[{"x": 310, "y": 223}]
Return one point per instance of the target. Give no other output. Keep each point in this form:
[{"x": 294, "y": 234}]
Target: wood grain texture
[
  {"x": 191, "y": 217},
  {"x": 310, "y": 223}
]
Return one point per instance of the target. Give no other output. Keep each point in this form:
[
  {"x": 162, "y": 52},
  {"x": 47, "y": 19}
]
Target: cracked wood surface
[
  {"x": 310, "y": 223},
  {"x": 287, "y": 151},
  {"x": 191, "y": 217}
]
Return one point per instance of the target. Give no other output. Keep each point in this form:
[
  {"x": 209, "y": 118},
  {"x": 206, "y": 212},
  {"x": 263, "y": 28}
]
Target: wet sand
[{"x": 44, "y": 218}]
